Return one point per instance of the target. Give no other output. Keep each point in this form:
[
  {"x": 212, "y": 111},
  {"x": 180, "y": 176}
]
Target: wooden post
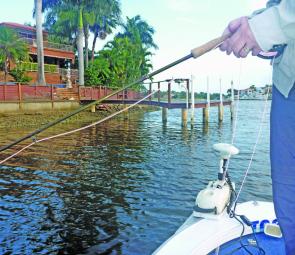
[
  {"x": 150, "y": 91},
  {"x": 192, "y": 99},
  {"x": 206, "y": 114},
  {"x": 19, "y": 92},
  {"x": 232, "y": 104},
  {"x": 159, "y": 92},
  {"x": 4, "y": 92},
  {"x": 19, "y": 95},
  {"x": 187, "y": 87},
  {"x": 169, "y": 92},
  {"x": 51, "y": 93},
  {"x": 51, "y": 96},
  {"x": 79, "y": 96},
  {"x": 164, "y": 115},
  {"x": 206, "y": 110},
  {"x": 184, "y": 117},
  {"x": 93, "y": 108},
  {"x": 220, "y": 106},
  {"x": 220, "y": 112}
]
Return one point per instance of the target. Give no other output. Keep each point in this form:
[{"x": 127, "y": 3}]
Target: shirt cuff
[{"x": 266, "y": 29}]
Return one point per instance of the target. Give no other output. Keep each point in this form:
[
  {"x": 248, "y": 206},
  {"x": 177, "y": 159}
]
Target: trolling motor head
[
  {"x": 211, "y": 201},
  {"x": 226, "y": 151}
]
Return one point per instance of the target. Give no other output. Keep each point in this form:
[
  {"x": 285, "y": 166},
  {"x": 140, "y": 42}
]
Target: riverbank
[{"x": 39, "y": 118}]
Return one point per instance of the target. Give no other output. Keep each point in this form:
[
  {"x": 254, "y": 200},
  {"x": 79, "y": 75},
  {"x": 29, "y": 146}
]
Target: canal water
[{"x": 123, "y": 187}]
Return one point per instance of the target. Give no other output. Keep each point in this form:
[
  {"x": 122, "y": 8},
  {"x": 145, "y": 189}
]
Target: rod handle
[{"x": 201, "y": 50}]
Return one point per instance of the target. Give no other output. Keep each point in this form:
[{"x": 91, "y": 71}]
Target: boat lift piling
[
  {"x": 232, "y": 105},
  {"x": 220, "y": 106},
  {"x": 206, "y": 110},
  {"x": 193, "y": 80}
]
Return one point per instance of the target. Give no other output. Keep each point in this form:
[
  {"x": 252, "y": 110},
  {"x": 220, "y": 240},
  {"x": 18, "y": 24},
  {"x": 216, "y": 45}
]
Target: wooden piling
[
  {"x": 92, "y": 108},
  {"x": 150, "y": 91},
  {"x": 164, "y": 114},
  {"x": 232, "y": 105},
  {"x": 220, "y": 112},
  {"x": 184, "y": 117},
  {"x": 206, "y": 110},
  {"x": 159, "y": 92},
  {"x": 220, "y": 106},
  {"x": 206, "y": 114},
  {"x": 169, "y": 93},
  {"x": 192, "y": 100}
]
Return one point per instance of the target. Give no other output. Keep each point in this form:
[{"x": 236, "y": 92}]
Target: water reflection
[{"x": 119, "y": 188}]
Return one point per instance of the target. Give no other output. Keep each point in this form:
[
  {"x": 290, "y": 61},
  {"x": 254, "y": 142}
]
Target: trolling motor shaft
[{"x": 211, "y": 201}]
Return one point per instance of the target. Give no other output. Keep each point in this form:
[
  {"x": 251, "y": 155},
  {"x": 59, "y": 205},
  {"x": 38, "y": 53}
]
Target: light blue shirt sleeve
[{"x": 275, "y": 25}]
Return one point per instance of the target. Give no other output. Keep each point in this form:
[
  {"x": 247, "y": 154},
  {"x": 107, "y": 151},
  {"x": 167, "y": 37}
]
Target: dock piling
[
  {"x": 220, "y": 106},
  {"x": 164, "y": 115},
  {"x": 192, "y": 99},
  {"x": 184, "y": 117},
  {"x": 232, "y": 105},
  {"x": 206, "y": 110}
]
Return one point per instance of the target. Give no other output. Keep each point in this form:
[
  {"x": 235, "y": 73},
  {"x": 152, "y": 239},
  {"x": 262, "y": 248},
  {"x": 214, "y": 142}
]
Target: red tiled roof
[{"x": 16, "y": 25}]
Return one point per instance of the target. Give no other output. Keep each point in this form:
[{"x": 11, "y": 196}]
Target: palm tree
[
  {"x": 12, "y": 49},
  {"x": 107, "y": 17},
  {"x": 74, "y": 13},
  {"x": 39, "y": 34},
  {"x": 137, "y": 25}
]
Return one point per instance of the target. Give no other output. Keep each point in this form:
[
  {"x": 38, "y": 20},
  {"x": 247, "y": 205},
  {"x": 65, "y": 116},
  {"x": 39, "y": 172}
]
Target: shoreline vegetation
[{"x": 40, "y": 118}]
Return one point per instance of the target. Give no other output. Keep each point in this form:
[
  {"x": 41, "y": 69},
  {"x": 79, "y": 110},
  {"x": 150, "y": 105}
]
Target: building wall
[{"x": 50, "y": 78}]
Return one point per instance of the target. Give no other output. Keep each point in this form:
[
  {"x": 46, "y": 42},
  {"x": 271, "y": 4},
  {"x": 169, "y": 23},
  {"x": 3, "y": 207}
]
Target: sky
[{"x": 180, "y": 26}]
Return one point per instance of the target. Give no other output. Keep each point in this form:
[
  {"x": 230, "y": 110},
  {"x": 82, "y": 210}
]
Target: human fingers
[
  {"x": 244, "y": 51},
  {"x": 237, "y": 43},
  {"x": 224, "y": 45},
  {"x": 255, "y": 51},
  {"x": 235, "y": 24},
  {"x": 230, "y": 29}
]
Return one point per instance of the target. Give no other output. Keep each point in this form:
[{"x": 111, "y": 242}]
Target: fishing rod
[{"x": 195, "y": 53}]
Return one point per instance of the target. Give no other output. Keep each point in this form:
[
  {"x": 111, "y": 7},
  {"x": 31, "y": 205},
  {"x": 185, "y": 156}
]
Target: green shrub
[
  {"x": 20, "y": 76},
  {"x": 91, "y": 76}
]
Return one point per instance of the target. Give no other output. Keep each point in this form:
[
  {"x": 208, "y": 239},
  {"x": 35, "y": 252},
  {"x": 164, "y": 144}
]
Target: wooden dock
[{"x": 21, "y": 94}]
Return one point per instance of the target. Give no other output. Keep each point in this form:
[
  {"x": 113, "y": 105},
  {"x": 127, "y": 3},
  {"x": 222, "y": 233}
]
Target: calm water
[{"x": 123, "y": 187}]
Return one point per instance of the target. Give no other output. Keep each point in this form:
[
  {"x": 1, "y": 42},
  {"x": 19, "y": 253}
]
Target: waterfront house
[
  {"x": 255, "y": 93},
  {"x": 57, "y": 57}
]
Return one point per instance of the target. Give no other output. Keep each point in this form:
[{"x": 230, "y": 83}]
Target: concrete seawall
[{"x": 37, "y": 106}]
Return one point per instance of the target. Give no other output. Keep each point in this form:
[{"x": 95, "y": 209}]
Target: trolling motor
[{"x": 212, "y": 201}]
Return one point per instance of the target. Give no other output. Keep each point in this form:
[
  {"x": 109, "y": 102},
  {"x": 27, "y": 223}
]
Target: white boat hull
[{"x": 199, "y": 236}]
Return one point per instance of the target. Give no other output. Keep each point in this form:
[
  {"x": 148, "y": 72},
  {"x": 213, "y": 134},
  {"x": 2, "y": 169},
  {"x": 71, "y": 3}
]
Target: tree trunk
[
  {"x": 86, "y": 34},
  {"x": 93, "y": 45},
  {"x": 80, "y": 49},
  {"x": 39, "y": 34}
]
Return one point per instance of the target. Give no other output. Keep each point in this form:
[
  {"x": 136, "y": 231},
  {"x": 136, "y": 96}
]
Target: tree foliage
[
  {"x": 20, "y": 76},
  {"x": 120, "y": 63},
  {"x": 12, "y": 49}
]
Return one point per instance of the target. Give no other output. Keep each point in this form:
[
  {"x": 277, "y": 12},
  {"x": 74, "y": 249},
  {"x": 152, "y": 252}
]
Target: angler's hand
[{"x": 242, "y": 40}]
